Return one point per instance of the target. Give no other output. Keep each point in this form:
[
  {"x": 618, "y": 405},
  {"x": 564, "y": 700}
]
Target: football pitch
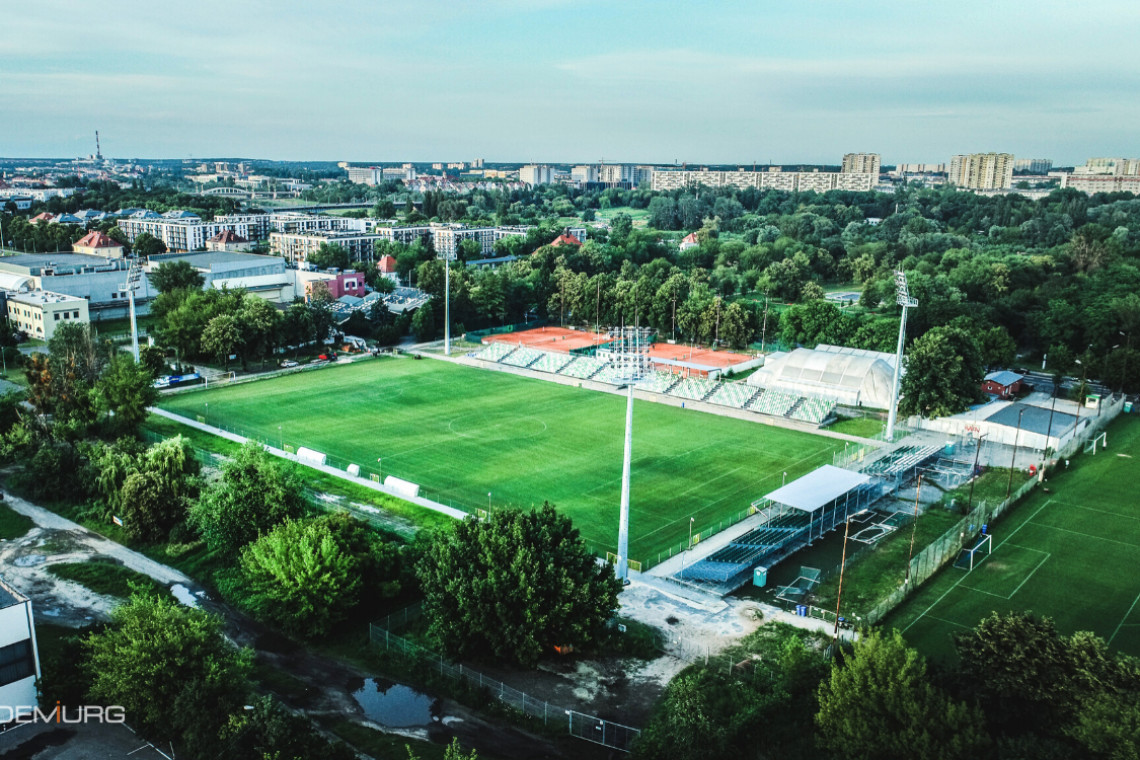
[
  {"x": 1069, "y": 554},
  {"x": 462, "y": 433}
]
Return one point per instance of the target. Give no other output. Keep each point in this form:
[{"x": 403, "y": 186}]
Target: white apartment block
[
  {"x": 447, "y": 237},
  {"x": 536, "y": 174},
  {"x": 1102, "y": 183},
  {"x": 773, "y": 179},
  {"x": 1116, "y": 167},
  {"x": 982, "y": 171},
  {"x": 920, "y": 169},
  {"x": 295, "y": 247},
  {"x": 38, "y": 312},
  {"x": 1033, "y": 165},
  {"x": 19, "y": 656},
  {"x": 862, "y": 163},
  {"x": 190, "y": 233},
  {"x": 364, "y": 175}
]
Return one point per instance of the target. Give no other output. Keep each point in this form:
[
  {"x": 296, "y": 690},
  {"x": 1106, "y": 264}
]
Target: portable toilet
[
  {"x": 1128, "y": 407},
  {"x": 948, "y": 449},
  {"x": 760, "y": 577}
]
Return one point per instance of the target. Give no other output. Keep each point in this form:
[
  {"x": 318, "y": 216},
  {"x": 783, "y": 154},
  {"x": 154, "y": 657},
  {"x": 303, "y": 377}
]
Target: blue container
[{"x": 760, "y": 577}]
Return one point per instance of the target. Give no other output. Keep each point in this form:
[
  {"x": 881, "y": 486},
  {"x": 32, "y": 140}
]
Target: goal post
[
  {"x": 1101, "y": 438},
  {"x": 970, "y": 556}
]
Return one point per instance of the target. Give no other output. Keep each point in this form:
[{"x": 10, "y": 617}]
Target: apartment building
[
  {"x": 862, "y": 163},
  {"x": 19, "y": 655},
  {"x": 1116, "y": 167},
  {"x": 982, "y": 171},
  {"x": 37, "y": 313},
  {"x": 1102, "y": 183},
  {"x": 364, "y": 175},
  {"x": 1033, "y": 165},
  {"x": 773, "y": 179},
  {"x": 901, "y": 169},
  {"x": 295, "y": 247},
  {"x": 181, "y": 231},
  {"x": 535, "y": 174}
]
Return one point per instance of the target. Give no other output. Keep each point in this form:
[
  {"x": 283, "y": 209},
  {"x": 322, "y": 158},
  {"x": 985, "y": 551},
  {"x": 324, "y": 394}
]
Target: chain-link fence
[
  {"x": 698, "y": 536},
  {"x": 589, "y": 727}
]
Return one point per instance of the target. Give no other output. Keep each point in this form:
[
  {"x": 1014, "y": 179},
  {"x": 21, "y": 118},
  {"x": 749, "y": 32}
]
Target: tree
[
  {"x": 175, "y": 275},
  {"x": 260, "y": 324},
  {"x": 384, "y": 209},
  {"x": 469, "y": 250},
  {"x": 329, "y": 255},
  {"x": 879, "y": 704},
  {"x": 222, "y": 337},
  {"x": 146, "y": 245},
  {"x": 127, "y": 391},
  {"x": 154, "y": 359},
  {"x": 171, "y": 668},
  {"x": 156, "y": 497},
  {"x": 943, "y": 373},
  {"x": 300, "y": 577},
  {"x": 514, "y": 586},
  {"x": 254, "y": 493},
  {"x": 423, "y": 323}
]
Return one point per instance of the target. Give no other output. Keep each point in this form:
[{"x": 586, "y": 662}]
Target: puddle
[
  {"x": 396, "y": 705},
  {"x": 183, "y": 595},
  {"x": 29, "y": 560}
]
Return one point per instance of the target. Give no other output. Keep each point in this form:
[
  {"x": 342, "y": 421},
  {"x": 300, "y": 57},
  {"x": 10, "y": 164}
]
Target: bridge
[{"x": 228, "y": 192}]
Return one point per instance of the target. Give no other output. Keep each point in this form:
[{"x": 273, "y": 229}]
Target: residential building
[
  {"x": 982, "y": 171},
  {"x": 773, "y": 179},
  {"x": 37, "y": 313},
  {"x": 227, "y": 240},
  {"x": 295, "y": 247},
  {"x": 447, "y": 237},
  {"x": 1102, "y": 183},
  {"x": 405, "y": 235},
  {"x": 862, "y": 163},
  {"x": 920, "y": 169},
  {"x": 19, "y": 655},
  {"x": 340, "y": 284},
  {"x": 387, "y": 267},
  {"x": 364, "y": 175},
  {"x": 1116, "y": 167},
  {"x": 186, "y": 232},
  {"x": 690, "y": 241},
  {"x": 584, "y": 174},
  {"x": 1033, "y": 165},
  {"x": 534, "y": 174},
  {"x": 96, "y": 243}
]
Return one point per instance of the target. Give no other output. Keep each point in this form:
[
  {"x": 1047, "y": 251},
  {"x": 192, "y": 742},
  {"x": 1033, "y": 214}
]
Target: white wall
[{"x": 16, "y": 625}]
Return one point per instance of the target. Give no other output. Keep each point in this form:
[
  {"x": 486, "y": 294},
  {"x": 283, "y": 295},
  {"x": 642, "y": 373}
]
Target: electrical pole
[
  {"x": 447, "y": 305},
  {"x": 974, "y": 474},
  {"x": 1013, "y": 460}
]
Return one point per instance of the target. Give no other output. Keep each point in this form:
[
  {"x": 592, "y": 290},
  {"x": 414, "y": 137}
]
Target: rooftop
[
  {"x": 1004, "y": 377},
  {"x": 818, "y": 488},
  {"x": 1034, "y": 419},
  {"x": 10, "y": 596},
  {"x": 58, "y": 258},
  {"x": 228, "y": 236},
  {"x": 96, "y": 239},
  {"x": 41, "y": 297},
  {"x": 209, "y": 259}
]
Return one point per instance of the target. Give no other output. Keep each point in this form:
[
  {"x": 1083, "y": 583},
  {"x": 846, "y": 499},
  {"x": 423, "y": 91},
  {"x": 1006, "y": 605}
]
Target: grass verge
[
  {"x": 13, "y": 524},
  {"x": 103, "y": 576}
]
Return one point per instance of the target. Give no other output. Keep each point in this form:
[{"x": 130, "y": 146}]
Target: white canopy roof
[{"x": 818, "y": 488}]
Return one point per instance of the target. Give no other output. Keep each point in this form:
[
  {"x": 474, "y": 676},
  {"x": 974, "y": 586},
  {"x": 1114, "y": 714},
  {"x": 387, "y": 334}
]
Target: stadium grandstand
[
  {"x": 792, "y": 517},
  {"x": 850, "y": 376}
]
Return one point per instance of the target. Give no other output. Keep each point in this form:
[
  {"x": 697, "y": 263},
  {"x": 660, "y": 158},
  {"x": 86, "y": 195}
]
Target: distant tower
[{"x": 98, "y": 152}]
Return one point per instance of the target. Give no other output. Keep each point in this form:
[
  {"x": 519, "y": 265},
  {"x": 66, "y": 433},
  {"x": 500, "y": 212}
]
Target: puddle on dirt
[
  {"x": 183, "y": 595},
  {"x": 29, "y": 560},
  {"x": 396, "y": 705}
]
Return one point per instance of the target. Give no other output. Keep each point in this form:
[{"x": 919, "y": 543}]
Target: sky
[{"x": 761, "y": 81}]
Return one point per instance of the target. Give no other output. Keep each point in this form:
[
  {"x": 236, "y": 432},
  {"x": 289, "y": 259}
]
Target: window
[
  {"x": 16, "y": 662},
  {"x": 75, "y": 315},
  {"x": 57, "y": 316}
]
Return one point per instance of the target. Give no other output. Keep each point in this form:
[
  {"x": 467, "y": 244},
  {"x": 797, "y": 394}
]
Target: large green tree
[
  {"x": 127, "y": 391},
  {"x": 254, "y": 493},
  {"x": 514, "y": 586},
  {"x": 880, "y": 704},
  {"x": 157, "y": 495},
  {"x": 944, "y": 373},
  {"x": 173, "y": 275},
  {"x": 172, "y": 669}
]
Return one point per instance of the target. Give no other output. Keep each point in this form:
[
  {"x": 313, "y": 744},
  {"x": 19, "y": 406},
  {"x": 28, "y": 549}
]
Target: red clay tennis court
[
  {"x": 696, "y": 355},
  {"x": 550, "y": 338}
]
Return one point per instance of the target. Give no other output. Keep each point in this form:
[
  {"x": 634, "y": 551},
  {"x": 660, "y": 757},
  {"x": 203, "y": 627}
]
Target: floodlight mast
[
  {"x": 447, "y": 305},
  {"x": 134, "y": 275},
  {"x": 906, "y": 302},
  {"x": 632, "y": 359}
]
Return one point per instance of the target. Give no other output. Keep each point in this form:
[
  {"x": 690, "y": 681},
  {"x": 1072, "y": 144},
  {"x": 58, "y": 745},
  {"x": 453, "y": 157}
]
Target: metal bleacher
[
  {"x": 813, "y": 409},
  {"x": 522, "y": 357},
  {"x": 658, "y": 382},
  {"x": 551, "y": 362},
  {"x": 583, "y": 367},
  {"x": 695, "y": 388},
  {"x": 736, "y": 395},
  {"x": 775, "y": 403},
  {"x": 494, "y": 352},
  {"x": 745, "y": 552}
]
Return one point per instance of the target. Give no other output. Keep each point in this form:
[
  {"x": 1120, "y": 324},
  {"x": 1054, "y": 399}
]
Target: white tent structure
[{"x": 857, "y": 379}]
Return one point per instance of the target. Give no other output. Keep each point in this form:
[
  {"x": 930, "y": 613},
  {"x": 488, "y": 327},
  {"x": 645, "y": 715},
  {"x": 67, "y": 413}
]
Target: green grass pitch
[
  {"x": 1069, "y": 554},
  {"x": 462, "y": 432}
]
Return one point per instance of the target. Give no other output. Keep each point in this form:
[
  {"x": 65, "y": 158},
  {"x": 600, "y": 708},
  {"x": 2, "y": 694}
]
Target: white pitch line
[
  {"x": 1031, "y": 573},
  {"x": 966, "y": 575},
  {"x": 1126, "y": 614}
]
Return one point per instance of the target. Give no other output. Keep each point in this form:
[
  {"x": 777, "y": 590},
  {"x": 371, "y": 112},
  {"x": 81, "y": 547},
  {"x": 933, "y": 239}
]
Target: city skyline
[{"x": 557, "y": 81}]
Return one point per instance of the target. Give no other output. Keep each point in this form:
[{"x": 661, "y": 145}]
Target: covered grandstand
[
  {"x": 852, "y": 377},
  {"x": 793, "y": 517}
]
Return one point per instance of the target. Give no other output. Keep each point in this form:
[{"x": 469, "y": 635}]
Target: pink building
[{"x": 340, "y": 284}]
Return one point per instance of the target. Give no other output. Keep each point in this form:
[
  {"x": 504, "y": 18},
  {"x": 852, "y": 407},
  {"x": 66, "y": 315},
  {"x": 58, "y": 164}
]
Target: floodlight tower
[
  {"x": 447, "y": 305},
  {"x": 631, "y": 359},
  {"x": 134, "y": 276},
  {"x": 906, "y": 302}
]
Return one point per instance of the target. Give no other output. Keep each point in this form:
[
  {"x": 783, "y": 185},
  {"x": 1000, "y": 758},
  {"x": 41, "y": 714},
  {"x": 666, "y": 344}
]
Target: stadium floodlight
[
  {"x": 134, "y": 276},
  {"x": 629, "y": 353},
  {"x": 447, "y": 305},
  {"x": 906, "y": 302}
]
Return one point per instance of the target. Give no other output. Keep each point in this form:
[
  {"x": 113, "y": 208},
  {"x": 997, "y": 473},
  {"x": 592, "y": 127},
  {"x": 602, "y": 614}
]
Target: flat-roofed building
[
  {"x": 982, "y": 171},
  {"x": 264, "y": 276},
  {"x": 862, "y": 163},
  {"x": 99, "y": 281},
  {"x": 37, "y": 313},
  {"x": 19, "y": 655},
  {"x": 773, "y": 179},
  {"x": 295, "y": 247}
]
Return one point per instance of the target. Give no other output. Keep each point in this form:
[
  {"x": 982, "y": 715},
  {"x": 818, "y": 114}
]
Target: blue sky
[{"x": 553, "y": 80}]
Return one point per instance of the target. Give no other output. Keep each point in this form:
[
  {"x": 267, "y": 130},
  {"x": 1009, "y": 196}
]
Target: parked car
[
  {"x": 329, "y": 357},
  {"x": 289, "y": 363}
]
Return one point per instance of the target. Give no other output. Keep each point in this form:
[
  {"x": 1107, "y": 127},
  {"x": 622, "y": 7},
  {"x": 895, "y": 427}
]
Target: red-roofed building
[
  {"x": 387, "y": 267},
  {"x": 42, "y": 217},
  {"x": 565, "y": 239},
  {"x": 227, "y": 240},
  {"x": 689, "y": 241},
  {"x": 96, "y": 243}
]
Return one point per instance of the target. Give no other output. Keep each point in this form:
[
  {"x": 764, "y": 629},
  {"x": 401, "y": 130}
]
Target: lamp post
[
  {"x": 488, "y": 503},
  {"x": 688, "y": 547},
  {"x": 207, "y": 417},
  {"x": 1127, "y": 347},
  {"x": 974, "y": 474},
  {"x": 1048, "y": 433},
  {"x": 280, "y": 438},
  {"x": 784, "y": 482},
  {"x": 380, "y": 468},
  {"x": 1013, "y": 460},
  {"x": 842, "y": 567}
]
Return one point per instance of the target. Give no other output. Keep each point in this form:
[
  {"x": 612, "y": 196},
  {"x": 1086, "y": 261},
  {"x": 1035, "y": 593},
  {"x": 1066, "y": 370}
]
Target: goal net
[
  {"x": 1101, "y": 438},
  {"x": 975, "y": 553}
]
